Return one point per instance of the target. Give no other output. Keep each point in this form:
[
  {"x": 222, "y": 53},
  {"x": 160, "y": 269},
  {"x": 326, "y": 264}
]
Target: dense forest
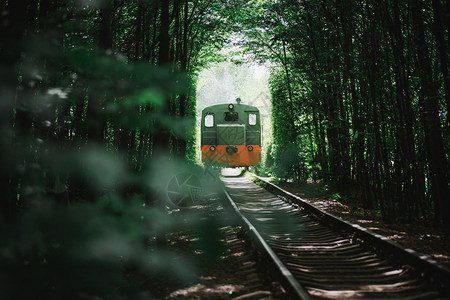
[
  {"x": 98, "y": 101},
  {"x": 115, "y": 75},
  {"x": 98, "y": 105},
  {"x": 361, "y": 94}
]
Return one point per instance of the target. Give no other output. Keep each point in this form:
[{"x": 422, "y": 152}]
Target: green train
[{"x": 231, "y": 135}]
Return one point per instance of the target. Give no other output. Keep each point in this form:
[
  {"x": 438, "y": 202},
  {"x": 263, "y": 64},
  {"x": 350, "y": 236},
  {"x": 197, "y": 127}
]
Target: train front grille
[{"x": 230, "y": 134}]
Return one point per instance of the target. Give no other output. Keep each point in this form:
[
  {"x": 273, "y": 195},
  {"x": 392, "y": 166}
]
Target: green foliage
[
  {"x": 336, "y": 196},
  {"x": 85, "y": 109},
  {"x": 261, "y": 183},
  {"x": 291, "y": 151},
  {"x": 191, "y": 140},
  {"x": 276, "y": 180},
  {"x": 340, "y": 198},
  {"x": 83, "y": 250},
  {"x": 349, "y": 89}
]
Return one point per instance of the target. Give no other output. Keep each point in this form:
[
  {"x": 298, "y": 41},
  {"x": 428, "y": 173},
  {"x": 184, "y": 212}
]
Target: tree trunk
[
  {"x": 357, "y": 123},
  {"x": 138, "y": 33},
  {"x": 13, "y": 26},
  {"x": 161, "y": 140},
  {"x": 430, "y": 118},
  {"x": 438, "y": 30},
  {"x": 106, "y": 36},
  {"x": 291, "y": 97},
  {"x": 332, "y": 130}
]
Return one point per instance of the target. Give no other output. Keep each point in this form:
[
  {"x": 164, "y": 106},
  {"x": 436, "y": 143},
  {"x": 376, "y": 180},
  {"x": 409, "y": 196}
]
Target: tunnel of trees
[
  {"x": 361, "y": 97},
  {"x": 97, "y": 95}
]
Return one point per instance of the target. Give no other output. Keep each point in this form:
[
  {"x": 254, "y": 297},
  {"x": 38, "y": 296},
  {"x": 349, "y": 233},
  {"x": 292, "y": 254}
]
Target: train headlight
[
  {"x": 230, "y": 106},
  {"x": 250, "y": 148},
  {"x": 212, "y": 148}
]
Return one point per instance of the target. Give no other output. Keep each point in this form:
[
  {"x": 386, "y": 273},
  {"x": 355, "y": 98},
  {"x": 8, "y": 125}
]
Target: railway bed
[
  {"x": 221, "y": 263},
  {"x": 319, "y": 256}
]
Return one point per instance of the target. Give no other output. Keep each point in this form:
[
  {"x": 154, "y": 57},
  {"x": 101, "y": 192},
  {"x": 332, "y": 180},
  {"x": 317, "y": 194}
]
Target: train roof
[{"x": 225, "y": 105}]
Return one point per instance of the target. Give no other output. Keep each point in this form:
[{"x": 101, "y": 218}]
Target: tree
[{"x": 355, "y": 66}]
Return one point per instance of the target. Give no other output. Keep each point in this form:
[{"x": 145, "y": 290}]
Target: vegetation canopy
[{"x": 98, "y": 113}]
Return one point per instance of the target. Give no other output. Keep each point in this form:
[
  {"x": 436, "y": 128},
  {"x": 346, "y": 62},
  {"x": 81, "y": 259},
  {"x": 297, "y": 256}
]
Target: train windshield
[
  {"x": 209, "y": 120},
  {"x": 251, "y": 119},
  {"x": 231, "y": 116}
]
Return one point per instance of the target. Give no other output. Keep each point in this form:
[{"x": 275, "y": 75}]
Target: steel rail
[
  {"x": 292, "y": 286},
  {"x": 379, "y": 242}
]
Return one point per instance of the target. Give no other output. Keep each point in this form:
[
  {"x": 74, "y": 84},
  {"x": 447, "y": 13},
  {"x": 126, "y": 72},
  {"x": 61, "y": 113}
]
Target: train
[{"x": 231, "y": 135}]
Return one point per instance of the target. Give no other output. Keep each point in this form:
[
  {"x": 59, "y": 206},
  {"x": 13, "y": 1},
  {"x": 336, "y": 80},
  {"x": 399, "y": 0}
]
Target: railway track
[{"x": 321, "y": 257}]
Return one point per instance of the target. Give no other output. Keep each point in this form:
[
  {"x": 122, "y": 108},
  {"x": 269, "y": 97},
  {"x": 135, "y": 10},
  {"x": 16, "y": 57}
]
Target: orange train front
[{"x": 231, "y": 135}]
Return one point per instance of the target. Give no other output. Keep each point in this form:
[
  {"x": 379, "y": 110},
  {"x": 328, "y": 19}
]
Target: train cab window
[
  {"x": 209, "y": 120},
  {"x": 231, "y": 116},
  {"x": 251, "y": 119}
]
